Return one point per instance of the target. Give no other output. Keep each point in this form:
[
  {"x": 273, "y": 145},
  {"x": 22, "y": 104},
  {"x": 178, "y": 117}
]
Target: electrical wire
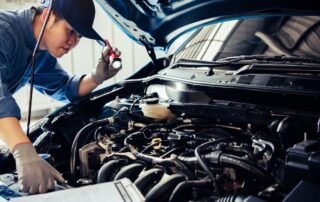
[
  {"x": 133, "y": 103},
  {"x": 33, "y": 64}
]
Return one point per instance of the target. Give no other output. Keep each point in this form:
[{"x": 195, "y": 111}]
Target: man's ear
[{"x": 44, "y": 14}]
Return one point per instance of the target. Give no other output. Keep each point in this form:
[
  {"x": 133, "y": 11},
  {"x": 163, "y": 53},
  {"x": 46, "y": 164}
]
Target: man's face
[{"x": 60, "y": 37}]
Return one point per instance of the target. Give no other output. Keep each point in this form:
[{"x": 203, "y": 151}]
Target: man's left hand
[{"x": 104, "y": 70}]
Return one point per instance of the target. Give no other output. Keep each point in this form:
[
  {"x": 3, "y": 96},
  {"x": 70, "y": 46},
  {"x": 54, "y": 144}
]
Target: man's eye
[{"x": 73, "y": 32}]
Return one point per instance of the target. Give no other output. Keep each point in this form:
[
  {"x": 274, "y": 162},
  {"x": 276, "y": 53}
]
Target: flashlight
[{"x": 115, "y": 61}]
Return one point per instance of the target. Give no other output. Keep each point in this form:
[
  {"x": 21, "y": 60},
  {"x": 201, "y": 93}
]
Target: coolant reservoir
[{"x": 153, "y": 109}]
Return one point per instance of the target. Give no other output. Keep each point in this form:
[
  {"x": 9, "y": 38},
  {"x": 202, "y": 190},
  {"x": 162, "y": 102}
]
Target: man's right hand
[{"x": 35, "y": 175}]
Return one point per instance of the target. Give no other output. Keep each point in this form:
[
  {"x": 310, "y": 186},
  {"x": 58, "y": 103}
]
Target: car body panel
[
  {"x": 225, "y": 116},
  {"x": 159, "y": 24}
]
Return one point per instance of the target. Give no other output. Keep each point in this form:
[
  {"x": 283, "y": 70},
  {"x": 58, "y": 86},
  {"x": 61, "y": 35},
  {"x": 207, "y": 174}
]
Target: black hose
[
  {"x": 239, "y": 150},
  {"x": 75, "y": 145},
  {"x": 224, "y": 160},
  {"x": 130, "y": 137},
  {"x": 193, "y": 125},
  {"x": 144, "y": 157},
  {"x": 266, "y": 144},
  {"x": 172, "y": 151},
  {"x": 191, "y": 161},
  {"x": 230, "y": 160},
  {"x": 154, "y": 126},
  {"x": 97, "y": 132},
  {"x": 149, "y": 146},
  {"x": 202, "y": 163},
  {"x": 155, "y": 160}
]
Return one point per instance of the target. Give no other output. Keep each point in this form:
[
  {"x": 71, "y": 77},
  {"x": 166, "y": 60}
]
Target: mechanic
[{"x": 19, "y": 30}]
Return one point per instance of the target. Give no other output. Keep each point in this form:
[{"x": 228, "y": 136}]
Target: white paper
[
  {"x": 2, "y": 199},
  {"x": 118, "y": 191}
]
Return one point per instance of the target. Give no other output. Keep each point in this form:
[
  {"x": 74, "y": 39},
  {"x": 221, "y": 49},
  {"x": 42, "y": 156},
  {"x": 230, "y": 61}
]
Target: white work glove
[
  {"x": 35, "y": 175},
  {"x": 104, "y": 70}
]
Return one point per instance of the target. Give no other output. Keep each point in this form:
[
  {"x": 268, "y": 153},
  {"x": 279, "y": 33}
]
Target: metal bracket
[{"x": 150, "y": 49}]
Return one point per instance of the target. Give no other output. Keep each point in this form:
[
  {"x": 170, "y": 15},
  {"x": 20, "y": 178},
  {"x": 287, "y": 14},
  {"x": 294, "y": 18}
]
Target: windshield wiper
[
  {"x": 197, "y": 63},
  {"x": 257, "y": 63},
  {"x": 266, "y": 58},
  {"x": 249, "y": 59},
  {"x": 266, "y": 64}
]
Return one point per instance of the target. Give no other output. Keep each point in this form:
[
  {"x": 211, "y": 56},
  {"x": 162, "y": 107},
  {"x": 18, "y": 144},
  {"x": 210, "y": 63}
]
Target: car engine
[{"x": 181, "y": 142}]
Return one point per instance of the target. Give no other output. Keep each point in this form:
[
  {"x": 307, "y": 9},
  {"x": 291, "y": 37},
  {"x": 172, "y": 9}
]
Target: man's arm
[
  {"x": 102, "y": 72},
  {"x": 11, "y": 132},
  {"x": 35, "y": 175},
  {"x": 87, "y": 84}
]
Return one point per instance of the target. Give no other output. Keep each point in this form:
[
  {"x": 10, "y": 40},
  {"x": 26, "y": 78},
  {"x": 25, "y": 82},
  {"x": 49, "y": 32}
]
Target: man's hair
[{"x": 57, "y": 18}]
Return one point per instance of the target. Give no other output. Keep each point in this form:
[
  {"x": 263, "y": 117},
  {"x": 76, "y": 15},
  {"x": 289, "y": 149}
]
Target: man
[{"x": 70, "y": 20}]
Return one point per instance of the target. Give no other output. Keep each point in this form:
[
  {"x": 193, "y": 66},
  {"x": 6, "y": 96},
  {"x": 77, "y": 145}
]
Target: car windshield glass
[{"x": 272, "y": 36}]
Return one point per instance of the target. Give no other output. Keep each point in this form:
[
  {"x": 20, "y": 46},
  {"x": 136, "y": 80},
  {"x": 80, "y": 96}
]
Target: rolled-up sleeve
[{"x": 73, "y": 88}]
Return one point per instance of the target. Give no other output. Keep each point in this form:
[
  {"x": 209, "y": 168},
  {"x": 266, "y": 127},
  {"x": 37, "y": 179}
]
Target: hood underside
[{"x": 159, "y": 23}]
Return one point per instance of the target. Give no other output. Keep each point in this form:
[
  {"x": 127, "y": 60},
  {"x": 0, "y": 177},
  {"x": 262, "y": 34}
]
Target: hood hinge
[{"x": 150, "y": 49}]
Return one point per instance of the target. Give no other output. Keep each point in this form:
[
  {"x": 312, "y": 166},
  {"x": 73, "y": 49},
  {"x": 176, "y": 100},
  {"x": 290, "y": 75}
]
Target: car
[{"x": 231, "y": 113}]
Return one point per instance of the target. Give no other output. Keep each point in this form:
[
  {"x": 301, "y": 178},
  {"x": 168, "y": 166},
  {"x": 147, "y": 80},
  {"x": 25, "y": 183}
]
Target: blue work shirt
[{"x": 17, "y": 42}]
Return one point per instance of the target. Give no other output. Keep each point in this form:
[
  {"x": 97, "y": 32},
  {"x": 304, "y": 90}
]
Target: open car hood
[
  {"x": 157, "y": 23},
  {"x": 228, "y": 117}
]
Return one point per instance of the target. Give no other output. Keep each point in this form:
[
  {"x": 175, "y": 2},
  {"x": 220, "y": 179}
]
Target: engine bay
[{"x": 178, "y": 143}]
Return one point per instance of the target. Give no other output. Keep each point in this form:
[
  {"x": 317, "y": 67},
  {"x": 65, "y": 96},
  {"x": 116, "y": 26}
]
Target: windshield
[{"x": 285, "y": 35}]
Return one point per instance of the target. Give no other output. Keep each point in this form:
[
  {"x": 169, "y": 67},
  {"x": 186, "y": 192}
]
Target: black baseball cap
[{"x": 78, "y": 13}]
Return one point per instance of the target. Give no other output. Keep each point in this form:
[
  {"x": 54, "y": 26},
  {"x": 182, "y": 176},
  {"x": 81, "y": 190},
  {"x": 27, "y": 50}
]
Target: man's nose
[{"x": 73, "y": 40}]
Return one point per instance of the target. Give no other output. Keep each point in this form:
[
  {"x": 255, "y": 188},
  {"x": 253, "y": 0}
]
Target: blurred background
[{"x": 83, "y": 58}]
